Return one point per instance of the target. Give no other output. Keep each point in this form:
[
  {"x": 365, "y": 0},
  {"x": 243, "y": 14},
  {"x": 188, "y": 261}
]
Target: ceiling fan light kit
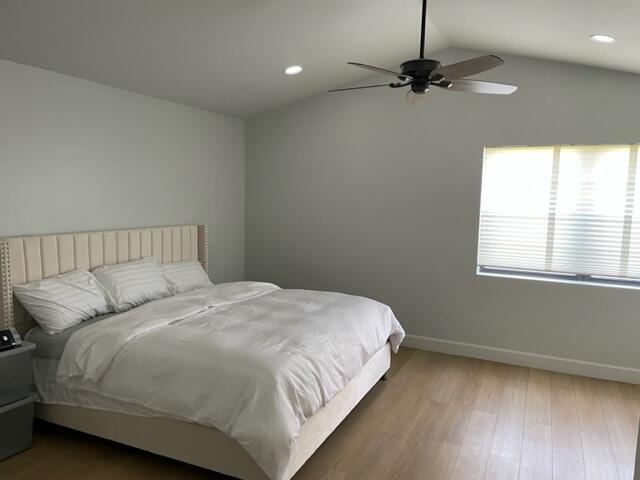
[{"x": 421, "y": 73}]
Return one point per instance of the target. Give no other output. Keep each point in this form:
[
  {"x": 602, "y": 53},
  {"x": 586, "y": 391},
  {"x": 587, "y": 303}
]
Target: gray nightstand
[{"x": 16, "y": 400}]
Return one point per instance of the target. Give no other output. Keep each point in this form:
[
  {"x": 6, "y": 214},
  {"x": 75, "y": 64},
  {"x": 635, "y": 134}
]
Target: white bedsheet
[{"x": 248, "y": 358}]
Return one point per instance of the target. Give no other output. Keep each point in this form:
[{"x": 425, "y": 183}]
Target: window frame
[{"x": 564, "y": 277}]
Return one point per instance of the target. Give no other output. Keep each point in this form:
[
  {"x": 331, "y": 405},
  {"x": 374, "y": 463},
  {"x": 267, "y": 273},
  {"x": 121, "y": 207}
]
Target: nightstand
[{"x": 16, "y": 400}]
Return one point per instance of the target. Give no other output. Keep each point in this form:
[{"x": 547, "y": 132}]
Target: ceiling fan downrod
[{"x": 424, "y": 27}]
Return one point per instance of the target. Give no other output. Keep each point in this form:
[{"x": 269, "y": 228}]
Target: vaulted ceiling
[{"x": 228, "y": 56}]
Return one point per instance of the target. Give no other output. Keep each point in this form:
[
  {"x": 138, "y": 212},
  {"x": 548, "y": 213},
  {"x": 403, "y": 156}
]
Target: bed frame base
[{"x": 208, "y": 447}]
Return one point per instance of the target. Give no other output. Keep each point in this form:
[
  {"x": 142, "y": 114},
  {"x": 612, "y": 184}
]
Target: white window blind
[{"x": 561, "y": 210}]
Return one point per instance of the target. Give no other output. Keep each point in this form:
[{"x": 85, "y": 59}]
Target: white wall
[
  {"x": 77, "y": 155},
  {"x": 357, "y": 192}
]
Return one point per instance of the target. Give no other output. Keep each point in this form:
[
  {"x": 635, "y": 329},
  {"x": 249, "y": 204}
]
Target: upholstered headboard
[{"x": 34, "y": 257}]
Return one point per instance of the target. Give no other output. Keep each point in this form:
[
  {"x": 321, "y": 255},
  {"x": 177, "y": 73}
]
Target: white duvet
[{"x": 247, "y": 358}]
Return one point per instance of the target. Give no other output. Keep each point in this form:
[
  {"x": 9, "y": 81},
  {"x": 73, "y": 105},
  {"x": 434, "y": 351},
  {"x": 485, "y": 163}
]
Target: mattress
[
  {"x": 52, "y": 392},
  {"x": 45, "y": 359},
  {"x": 52, "y": 346},
  {"x": 49, "y": 349}
]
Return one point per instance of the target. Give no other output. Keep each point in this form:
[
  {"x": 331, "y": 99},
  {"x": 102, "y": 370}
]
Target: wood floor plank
[
  {"x": 439, "y": 417},
  {"x": 447, "y": 384},
  {"x": 376, "y": 461},
  {"x": 426, "y": 422},
  {"x": 351, "y": 437},
  {"x": 539, "y": 376},
  {"x": 490, "y": 393},
  {"x": 562, "y": 379},
  {"x": 538, "y": 406},
  {"x": 453, "y": 424},
  {"x": 400, "y": 359},
  {"x": 404, "y": 374},
  {"x": 590, "y": 414},
  {"x": 403, "y": 415},
  {"x": 621, "y": 428},
  {"x": 633, "y": 407},
  {"x": 498, "y": 369},
  {"x": 473, "y": 456},
  {"x": 585, "y": 384},
  {"x": 608, "y": 388},
  {"x": 430, "y": 460},
  {"x": 323, "y": 474},
  {"x": 343, "y": 455},
  {"x": 536, "y": 460},
  {"x": 72, "y": 462},
  {"x": 517, "y": 377},
  {"x": 507, "y": 441},
  {"x": 502, "y": 468},
  {"x": 422, "y": 368},
  {"x": 630, "y": 392},
  {"x": 454, "y": 421},
  {"x": 598, "y": 457},
  {"x": 568, "y": 460}
]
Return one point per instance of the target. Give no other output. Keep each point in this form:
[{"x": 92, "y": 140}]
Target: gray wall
[
  {"x": 78, "y": 155},
  {"x": 357, "y": 192}
]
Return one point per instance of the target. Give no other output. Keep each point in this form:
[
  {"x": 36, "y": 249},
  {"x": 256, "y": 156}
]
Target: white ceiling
[
  {"x": 227, "y": 56},
  {"x": 549, "y": 29}
]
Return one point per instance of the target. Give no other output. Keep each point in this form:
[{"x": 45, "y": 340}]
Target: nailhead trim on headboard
[
  {"x": 7, "y": 290},
  {"x": 203, "y": 249}
]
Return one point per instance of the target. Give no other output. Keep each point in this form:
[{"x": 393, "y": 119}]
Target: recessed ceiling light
[
  {"x": 293, "y": 70},
  {"x": 600, "y": 38}
]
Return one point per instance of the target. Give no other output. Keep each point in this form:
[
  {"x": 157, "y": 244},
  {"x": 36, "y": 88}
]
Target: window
[{"x": 561, "y": 212}]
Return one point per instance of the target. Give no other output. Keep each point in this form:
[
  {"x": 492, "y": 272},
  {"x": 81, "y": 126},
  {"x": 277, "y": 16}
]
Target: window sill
[{"x": 558, "y": 278}]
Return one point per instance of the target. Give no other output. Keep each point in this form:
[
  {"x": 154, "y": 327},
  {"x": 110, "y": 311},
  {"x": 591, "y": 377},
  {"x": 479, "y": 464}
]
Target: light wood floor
[{"x": 438, "y": 417}]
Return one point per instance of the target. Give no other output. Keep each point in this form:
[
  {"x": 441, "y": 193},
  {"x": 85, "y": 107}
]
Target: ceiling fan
[{"x": 421, "y": 73}]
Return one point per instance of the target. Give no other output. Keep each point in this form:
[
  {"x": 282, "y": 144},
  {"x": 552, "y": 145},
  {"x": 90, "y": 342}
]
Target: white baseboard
[{"x": 525, "y": 359}]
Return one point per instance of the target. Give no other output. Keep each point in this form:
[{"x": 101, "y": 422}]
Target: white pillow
[
  {"x": 184, "y": 276},
  {"x": 133, "y": 283},
  {"x": 60, "y": 302}
]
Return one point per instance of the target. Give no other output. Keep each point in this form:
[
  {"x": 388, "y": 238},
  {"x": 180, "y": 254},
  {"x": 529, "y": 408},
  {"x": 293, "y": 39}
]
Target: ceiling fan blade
[
  {"x": 469, "y": 67},
  {"x": 478, "y": 86},
  {"x": 380, "y": 70},
  {"x": 358, "y": 88},
  {"x": 413, "y": 98}
]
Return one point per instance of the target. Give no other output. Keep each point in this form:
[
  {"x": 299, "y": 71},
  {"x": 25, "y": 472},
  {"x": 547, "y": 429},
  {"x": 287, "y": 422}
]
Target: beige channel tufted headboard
[{"x": 34, "y": 257}]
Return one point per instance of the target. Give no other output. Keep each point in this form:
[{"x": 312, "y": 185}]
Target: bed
[{"x": 30, "y": 258}]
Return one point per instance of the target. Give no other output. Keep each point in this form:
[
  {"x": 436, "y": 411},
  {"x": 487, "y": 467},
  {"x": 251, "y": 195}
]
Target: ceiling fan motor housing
[
  {"x": 420, "y": 71},
  {"x": 420, "y": 68}
]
